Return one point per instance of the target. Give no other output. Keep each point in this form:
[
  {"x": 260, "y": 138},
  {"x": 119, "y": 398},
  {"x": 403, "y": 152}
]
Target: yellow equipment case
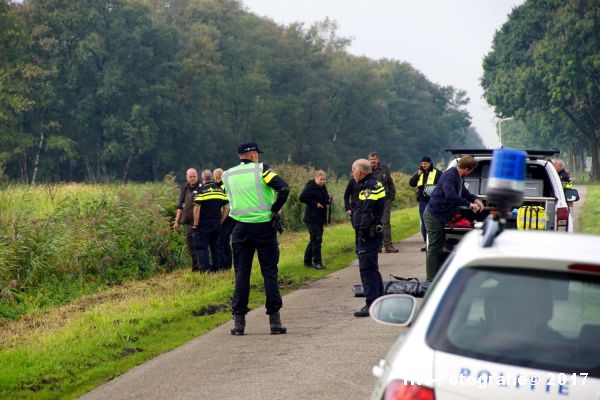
[{"x": 531, "y": 217}]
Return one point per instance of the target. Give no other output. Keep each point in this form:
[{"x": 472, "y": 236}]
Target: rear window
[{"x": 522, "y": 317}]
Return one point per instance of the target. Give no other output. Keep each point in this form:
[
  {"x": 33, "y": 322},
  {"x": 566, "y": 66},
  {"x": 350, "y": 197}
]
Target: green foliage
[
  {"x": 58, "y": 243},
  {"x": 98, "y": 90},
  {"x": 542, "y": 71},
  {"x": 69, "y": 351},
  {"x": 589, "y": 222}
]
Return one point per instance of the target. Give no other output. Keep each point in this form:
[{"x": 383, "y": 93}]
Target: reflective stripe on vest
[
  {"x": 250, "y": 199},
  {"x": 430, "y": 178}
]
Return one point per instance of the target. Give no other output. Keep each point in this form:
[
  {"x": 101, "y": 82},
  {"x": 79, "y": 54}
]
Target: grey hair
[
  {"x": 190, "y": 170},
  {"x": 207, "y": 175},
  {"x": 363, "y": 165}
]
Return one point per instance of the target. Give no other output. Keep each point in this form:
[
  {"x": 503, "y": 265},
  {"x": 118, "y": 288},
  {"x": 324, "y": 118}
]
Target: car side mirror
[
  {"x": 394, "y": 309},
  {"x": 572, "y": 194}
]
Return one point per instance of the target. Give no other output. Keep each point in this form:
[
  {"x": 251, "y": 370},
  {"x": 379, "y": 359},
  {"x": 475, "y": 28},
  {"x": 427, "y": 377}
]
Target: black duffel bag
[
  {"x": 398, "y": 285},
  {"x": 411, "y": 286}
]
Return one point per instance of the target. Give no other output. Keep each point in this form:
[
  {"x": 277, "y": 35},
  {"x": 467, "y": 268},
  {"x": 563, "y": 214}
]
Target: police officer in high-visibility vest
[
  {"x": 367, "y": 221},
  {"x": 256, "y": 194},
  {"x": 424, "y": 180},
  {"x": 565, "y": 179}
]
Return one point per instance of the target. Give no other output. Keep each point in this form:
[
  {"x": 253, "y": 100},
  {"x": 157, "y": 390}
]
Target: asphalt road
[{"x": 327, "y": 353}]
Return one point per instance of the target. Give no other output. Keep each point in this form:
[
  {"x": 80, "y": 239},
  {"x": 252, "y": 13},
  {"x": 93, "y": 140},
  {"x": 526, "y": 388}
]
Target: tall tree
[{"x": 545, "y": 60}]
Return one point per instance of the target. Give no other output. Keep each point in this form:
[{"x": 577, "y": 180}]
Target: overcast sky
[{"x": 444, "y": 39}]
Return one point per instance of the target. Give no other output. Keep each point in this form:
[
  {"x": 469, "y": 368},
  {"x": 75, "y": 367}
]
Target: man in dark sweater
[
  {"x": 185, "y": 211},
  {"x": 383, "y": 174},
  {"x": 449, "y": 194},
  {"x": 316, "y": 198}
]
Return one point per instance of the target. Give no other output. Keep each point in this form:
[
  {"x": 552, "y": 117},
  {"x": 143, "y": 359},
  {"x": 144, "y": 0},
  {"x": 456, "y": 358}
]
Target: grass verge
[
  {"x": 67, "y": 351},
  {"x": 590, "y": 220}
]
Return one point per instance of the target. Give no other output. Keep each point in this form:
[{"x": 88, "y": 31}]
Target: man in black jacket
[
  {"x": 351, "y": 196},
  {"x": 449, "y": 194},
  {"x": 384, "y": 175},
  {"x": 424, "y": 180},
  {"x": 185, "y": 212},
  {"x": 316, "y": 198}
]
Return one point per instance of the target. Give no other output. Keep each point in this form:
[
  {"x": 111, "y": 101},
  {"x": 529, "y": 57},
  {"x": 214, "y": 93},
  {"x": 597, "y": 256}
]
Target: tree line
[
  {"x": 101, "y": 90},
  {"x": 544, "y": 71}
]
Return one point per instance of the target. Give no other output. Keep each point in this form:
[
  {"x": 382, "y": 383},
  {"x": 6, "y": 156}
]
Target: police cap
[{"x": 248, "y": 146}]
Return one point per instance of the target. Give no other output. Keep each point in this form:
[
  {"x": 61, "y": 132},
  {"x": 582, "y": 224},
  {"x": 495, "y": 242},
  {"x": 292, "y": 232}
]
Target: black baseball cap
[
  {"x": 426, "y": 159},
  {"x": 248, "y": 146}
]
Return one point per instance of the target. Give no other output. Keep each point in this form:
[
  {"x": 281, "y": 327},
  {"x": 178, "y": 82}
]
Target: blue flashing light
[
  {"x": 507, "y": 171},
  {"x": 504, "y": 189}
]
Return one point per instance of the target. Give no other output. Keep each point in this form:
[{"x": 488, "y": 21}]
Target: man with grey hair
[
  {"x": 210, "y": 209},
  {"x": 185, "y": 208},
  {"x": 565, "y": 179},
  {"x": 366, "y": 219},
  {"x": 383, "y": 174}
]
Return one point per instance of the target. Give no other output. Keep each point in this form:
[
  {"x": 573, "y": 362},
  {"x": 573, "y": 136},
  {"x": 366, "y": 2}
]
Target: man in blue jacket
[{"x": 449, "y": 194}]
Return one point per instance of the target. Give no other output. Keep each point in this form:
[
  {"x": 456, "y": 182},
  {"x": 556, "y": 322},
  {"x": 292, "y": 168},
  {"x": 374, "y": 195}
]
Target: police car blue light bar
[
  {"x": 508, "y": 170},
  {"x": 505, "y": 189}
]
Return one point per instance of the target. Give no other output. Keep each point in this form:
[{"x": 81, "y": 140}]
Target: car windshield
[{"x": 521, "y": 317}]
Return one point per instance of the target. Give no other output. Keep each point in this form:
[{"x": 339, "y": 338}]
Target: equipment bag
[
  {"x": 398, "y": 285},
  {"x": 411, "y": 286},
  {"x": 359, "y": 291},
  {"x": 531, "y": 217}
]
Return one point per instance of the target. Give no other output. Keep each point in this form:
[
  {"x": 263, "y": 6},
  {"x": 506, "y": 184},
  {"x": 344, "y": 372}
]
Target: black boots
[
  {"x": 363, "y": 312},
  {"x": 276, "y": 327},
  {"x": 274, "y": 320},
  {"x": 240, "y": 324}
]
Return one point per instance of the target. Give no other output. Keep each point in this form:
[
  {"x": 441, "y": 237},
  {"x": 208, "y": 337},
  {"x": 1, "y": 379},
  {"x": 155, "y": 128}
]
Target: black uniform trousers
[
  {"x": 207, "y": 245},
  {"x": 226, "y": 254},
  {"x": 247, "y": 238},
  {"x": 312, "y": 254},
  {"x": 368, "y": 265}
]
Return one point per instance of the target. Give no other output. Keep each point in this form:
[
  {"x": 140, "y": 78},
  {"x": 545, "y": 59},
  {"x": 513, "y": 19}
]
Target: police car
[
  {"x": 511, "y": 314},
  {"x": 519, "y": 319}
]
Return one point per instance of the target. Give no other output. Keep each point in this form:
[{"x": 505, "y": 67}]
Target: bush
[
  {"x": 81, "y": 240},
  {"x": 60, "y": 242}
]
